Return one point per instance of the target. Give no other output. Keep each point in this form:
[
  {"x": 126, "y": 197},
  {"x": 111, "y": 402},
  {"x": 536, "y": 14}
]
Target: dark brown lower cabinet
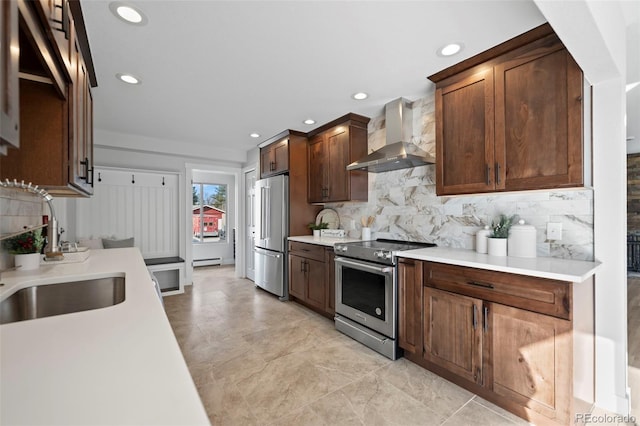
[
  {"x": 453, "y": 334},
  {"x": 410, "y": 305},
  {"x": 523, "y": 343},
  {"x": 311, "y": 279}
]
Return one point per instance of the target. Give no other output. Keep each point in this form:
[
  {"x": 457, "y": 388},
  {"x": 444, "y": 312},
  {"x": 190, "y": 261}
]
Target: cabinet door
[
  {"x": 9, "y": 83},
  {"x": 318, "y": 165},
  {"x": 532, "y": 358},
  {"x": 79, "y": 162},
  {"x": 266, "y": 162},
  {"x": 410, "y": 305},
  {"x": 316, "y": 285},
  {"x": 58, "y": 17},
  {"x": 281, "y": 156},
  {"x": 539, "y": 120},
  {"x": 297, "y": 276},
  {"x": 88, "y": 131},
  {"x": 453, "y": 333},
  {"x": 465, "y": 135},
  {"x": 330, "y": 267},
  {"x": 274, "y": 158},
  {"x": 337, "y": 142}
]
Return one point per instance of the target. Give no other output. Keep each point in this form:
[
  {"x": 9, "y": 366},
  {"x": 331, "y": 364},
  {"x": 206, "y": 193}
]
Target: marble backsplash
[
  {"x": 17, "y": 210},
  {"x": 405, "y": 205}
]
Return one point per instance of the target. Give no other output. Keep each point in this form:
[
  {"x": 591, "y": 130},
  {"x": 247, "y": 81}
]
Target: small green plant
[
  {"x": 501, "y": 226},
  {"x": 29, "y": 242},
  {"x": 316, "y": 226}
]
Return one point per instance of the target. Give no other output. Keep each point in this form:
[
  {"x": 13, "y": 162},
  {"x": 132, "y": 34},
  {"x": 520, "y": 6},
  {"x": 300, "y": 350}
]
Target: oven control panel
[{"x": 382, "y": 254}]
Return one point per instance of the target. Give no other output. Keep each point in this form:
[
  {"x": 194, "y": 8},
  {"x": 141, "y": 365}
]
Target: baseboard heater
[{"x": 207, "y": 262}]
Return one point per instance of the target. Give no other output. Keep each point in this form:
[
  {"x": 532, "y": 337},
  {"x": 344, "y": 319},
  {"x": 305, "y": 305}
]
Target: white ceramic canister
[
  {"x": 522, "y": 240},
  {"x": 481, "y": 239}
]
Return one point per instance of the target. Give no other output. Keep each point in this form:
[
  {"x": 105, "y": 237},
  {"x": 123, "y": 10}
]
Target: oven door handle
[{"x": 365, "y": 267}]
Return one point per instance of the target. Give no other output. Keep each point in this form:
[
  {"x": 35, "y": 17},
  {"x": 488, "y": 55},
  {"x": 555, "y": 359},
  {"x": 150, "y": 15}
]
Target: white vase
[
  {"x": 497, "y": 246},
  {"x": 27, "y": 262},
  {"x": 316, "y": 232},
  {"x": 366, "y": 234}
]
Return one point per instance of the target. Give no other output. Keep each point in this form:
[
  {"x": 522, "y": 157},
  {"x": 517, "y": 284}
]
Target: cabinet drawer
[
  {"x": 309, "y": 251},
  {"x": 541, "y": 295}
]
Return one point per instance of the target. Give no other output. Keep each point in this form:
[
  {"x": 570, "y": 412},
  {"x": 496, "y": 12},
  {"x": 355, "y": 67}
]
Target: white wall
[
  {"x": 598, "y": 45},
  {"x": 172, "y": 149}
]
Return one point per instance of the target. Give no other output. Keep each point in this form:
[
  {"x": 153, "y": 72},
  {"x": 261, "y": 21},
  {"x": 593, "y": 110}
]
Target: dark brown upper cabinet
[
  {"x": 510, "y": 118},
  {"x": 55, "y": 103},
  {"x": 274, "y": 158},
  {"x": 9, "y": 87},
  {"x": 332, "y": 148}
]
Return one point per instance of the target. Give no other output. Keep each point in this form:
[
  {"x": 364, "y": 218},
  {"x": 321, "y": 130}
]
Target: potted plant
[
  {"x": 26, "y": 248},
  {"x": 497, "y": 241},
  {"x": 316, "y": 227}
]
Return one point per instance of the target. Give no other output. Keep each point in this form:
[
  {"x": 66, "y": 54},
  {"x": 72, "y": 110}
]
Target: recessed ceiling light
[
  {"x": 128, "y": 78},
  {"x": 309, "y": 121},
  {"x": 450, "y": 49},
  {"x": 255, "y": 135},
  {"x": 360, "y": 96},
  {"x": 128, "y": 13}
]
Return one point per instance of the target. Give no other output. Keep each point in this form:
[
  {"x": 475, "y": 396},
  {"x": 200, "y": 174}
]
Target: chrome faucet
[{"x": 54, "y": 246}]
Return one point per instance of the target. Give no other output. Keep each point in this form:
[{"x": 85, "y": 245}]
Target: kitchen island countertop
[
  {"x": 115, "y": 365},
  {"x": 575, "y": 271}
]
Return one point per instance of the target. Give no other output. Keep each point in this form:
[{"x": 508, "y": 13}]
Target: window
[{"x": 209, "y": 212}]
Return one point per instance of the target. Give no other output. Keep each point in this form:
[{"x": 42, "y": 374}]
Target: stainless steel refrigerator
[{"x": 272, "y": 230}]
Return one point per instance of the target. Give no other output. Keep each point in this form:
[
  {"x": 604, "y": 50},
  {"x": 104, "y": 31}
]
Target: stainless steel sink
[{"x": 47, "y": 300}]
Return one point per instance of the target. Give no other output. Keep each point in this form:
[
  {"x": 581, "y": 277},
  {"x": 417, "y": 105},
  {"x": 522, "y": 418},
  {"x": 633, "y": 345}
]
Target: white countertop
[
  {"x": 322, "y": 241},
  {"x": 542, "y": 267},
  {"x": 115, "y": 365}
]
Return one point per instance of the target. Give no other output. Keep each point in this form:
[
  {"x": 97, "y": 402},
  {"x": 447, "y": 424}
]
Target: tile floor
[{"x": 258, "y": 361}]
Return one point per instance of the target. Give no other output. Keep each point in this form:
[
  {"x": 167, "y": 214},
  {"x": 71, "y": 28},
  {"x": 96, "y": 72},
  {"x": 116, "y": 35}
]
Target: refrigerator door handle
[
  {"x": 267, "y": 222},
  {"x": 262, "y": 213}
]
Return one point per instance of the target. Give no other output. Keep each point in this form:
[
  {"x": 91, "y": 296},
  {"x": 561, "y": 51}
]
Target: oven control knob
[{"x": 383, "y": 254}]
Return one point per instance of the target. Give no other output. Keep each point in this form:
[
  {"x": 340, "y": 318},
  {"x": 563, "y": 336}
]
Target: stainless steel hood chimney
[{"x": 398, "y": 152}]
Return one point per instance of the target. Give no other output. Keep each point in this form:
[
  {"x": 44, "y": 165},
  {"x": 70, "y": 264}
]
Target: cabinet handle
[
  {"x": 479, "y": 284},
  {"x": 498, "y": 173},
  {"x": 65, "y": 19},
  {"x": 302, "y": 266},
  {"x": 85, "y": 175},
  {"x": 488, "y": 175},
  {"x": 486, "y": 319},
  {"x": 475, "y": 317},
  {"x": 64, "y": 23}
]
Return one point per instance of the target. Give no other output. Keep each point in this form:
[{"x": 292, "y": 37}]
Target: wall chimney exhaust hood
[{"x": 398, "y": 152}]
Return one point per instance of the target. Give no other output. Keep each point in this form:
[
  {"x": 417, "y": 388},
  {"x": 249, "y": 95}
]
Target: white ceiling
[{"x": 215, "y": 71}]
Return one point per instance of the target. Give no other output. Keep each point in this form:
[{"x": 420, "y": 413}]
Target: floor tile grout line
[
  {"x": 498, "y": 413},
  {"x": 417, "y": 400},
  {"x": 457, "y": 411}
]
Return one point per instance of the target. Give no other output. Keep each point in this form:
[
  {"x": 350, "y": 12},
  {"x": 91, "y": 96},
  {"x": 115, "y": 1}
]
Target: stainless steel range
[{"x": 367, "y": 292}]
